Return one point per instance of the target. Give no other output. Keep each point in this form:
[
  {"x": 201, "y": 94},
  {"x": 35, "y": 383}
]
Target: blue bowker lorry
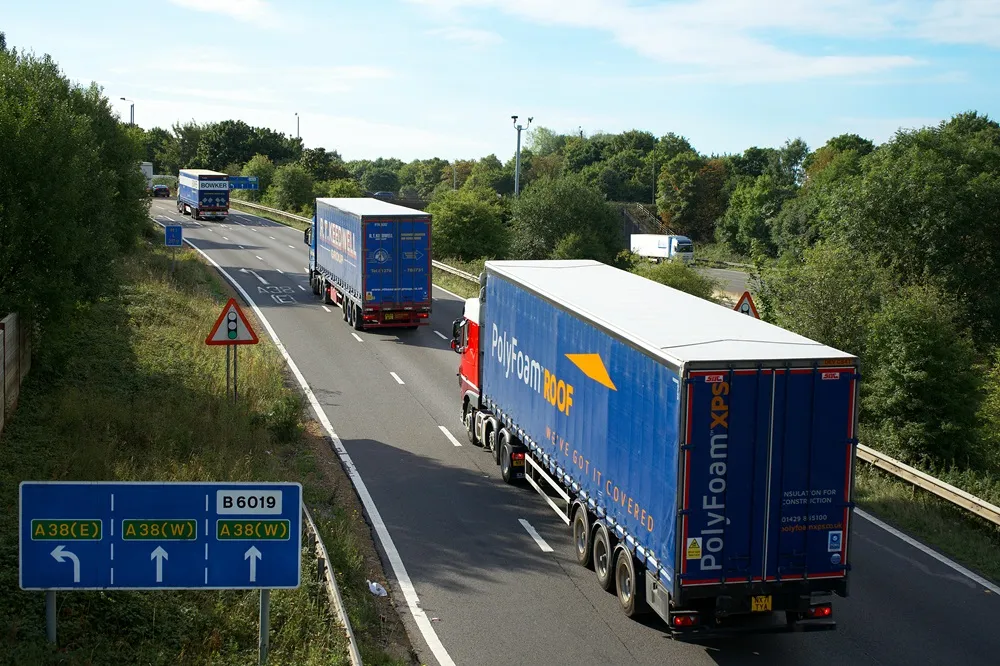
[
  {"x": 203, "y": 194},
  {"x": 373, "y": 259},
  {"x": 703, "y": 458}
]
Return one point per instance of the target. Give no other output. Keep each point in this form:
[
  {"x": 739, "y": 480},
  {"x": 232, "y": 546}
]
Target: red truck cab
[{"x": 465, "y": 342}]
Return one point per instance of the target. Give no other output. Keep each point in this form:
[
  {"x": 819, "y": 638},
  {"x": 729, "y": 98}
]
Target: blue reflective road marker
[
  {"x": 159, "y": 536},
  {"x": 174, "y": 235}
]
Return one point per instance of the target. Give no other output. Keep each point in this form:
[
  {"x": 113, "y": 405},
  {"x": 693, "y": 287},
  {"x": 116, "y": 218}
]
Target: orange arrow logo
[{"x": 592, "y": 366}]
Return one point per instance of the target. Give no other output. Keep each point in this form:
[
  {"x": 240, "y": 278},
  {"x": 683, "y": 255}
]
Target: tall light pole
[
  {"x": 131, "y": 112},
  {"x": 517, "y": 157},
  {"x": 297, "y": 125}
]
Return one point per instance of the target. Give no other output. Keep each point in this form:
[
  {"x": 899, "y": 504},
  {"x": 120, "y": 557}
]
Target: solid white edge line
[
  {"x": 396, "y": 377},
  {"x": 928, "y": 551},
  {"x": 357, "y": 337},
  {"x": 546, "y": 548},
  {"x": 451, "y": 437},
  {"x": 395, "y": 561},
  {"x": 451, "y": 293},
  {"x": 441, "y": 335},
  {"x": 326, "y": 308}
]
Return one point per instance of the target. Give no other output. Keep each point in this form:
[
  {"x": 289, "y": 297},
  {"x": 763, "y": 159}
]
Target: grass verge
[
  {"x": 454, "y": 283},
  {"x": 128, "y": 391},
  {"x": 950, "y": 530}
]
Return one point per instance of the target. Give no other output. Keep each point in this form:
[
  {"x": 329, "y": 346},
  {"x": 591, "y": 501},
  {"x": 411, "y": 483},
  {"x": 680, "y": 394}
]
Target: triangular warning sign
[
  {"x": 232, "y": 327},
  {"x": 746, "y": 306}
]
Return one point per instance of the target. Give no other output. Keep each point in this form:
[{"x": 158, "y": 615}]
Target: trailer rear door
[
  {"x": 397, "y": 262},
  {"x": 766, "y": 474}
]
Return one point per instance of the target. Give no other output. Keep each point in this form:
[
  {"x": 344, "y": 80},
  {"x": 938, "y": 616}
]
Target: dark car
[
  {"x": 385, "y": 195},
  {"x": 160, "y": 191}
]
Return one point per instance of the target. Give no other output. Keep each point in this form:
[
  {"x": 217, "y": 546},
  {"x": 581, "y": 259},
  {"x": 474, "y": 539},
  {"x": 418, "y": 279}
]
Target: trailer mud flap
[{"x": 766, "y": 474}]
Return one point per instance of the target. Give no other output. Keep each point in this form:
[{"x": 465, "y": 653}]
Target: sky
[{"x": 442, "y": 78}]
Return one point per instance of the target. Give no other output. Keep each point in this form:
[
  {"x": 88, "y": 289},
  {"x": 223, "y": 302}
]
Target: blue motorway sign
[
  {"x": 99, "y": 535},
  {"x": 174, "y": 235},
  {"x": 243, "y": 183}
]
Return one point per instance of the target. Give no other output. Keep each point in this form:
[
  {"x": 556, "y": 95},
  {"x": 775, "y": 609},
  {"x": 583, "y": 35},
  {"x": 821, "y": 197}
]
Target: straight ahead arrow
[
  {"x": 253, "y": 555},
  {"x": 246, "y": 270},
  {"x": 159, "y": 555}
]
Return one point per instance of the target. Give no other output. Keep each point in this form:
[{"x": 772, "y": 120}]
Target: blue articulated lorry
[
  {"x": 373, "y": 260},
  {"x": 703, "y": 458},
  {"x": 203, "y": 194}
]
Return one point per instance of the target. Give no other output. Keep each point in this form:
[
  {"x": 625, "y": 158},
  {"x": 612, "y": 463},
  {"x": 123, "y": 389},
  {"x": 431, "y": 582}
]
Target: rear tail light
[
  {"x": 517, "y": 456},
  {"x": 822, "y": 610},
  {"x": 370, "y": 317},
  {"x": 685, "y": 619},
  {"x": 423, "y": 315}
]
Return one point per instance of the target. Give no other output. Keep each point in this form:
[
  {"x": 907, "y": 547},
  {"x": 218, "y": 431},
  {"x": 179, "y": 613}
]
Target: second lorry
[
  {"x": 704, "y": 459},
  {"x": 659, "y": 247},
  {"x": 373, "y": 259},
  {"x": 203, "y": 194}
]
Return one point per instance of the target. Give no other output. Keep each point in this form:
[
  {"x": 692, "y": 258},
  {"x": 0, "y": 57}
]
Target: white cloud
[
  {"x": 723, "y": 39},
  {"x": 257, "y": 12},
  {"x": 471, "y": 36},
  {"x": 962, "y": 22}
]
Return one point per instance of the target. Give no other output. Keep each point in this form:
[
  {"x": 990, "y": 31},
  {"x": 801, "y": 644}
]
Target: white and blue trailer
[
  {"x": 203, "y": 194},
  {"x": 703, "y": 458},
  {"x": 373, "y": 260}
]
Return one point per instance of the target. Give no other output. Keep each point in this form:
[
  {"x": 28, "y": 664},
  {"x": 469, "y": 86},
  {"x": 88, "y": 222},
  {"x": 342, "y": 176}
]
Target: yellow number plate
[
  {"x": 517, "y": 463},
  {"x": 760, "y": 604},
  {"x": 388, "y": 316}
]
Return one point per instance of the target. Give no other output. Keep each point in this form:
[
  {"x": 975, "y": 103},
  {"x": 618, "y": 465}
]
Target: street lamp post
[
  {"x": 517, "y": 156},
  {"x": 131, "y": 112},
  {"x": 297, "y": 125}
]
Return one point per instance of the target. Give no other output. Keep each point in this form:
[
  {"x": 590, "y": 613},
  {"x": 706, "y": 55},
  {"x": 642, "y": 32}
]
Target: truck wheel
[
  {"x": 581, "y": 536},
  {"x": 507, "y": 464},
  {"x": 602, "y": 555},
  {"x": 631, "y": 589},
  {"x": 499, "y": 441},
  {"x": 469, "y": 421},
  {"x": 316, "y": 285},
  {"x": 357, "y": 320},
  {"x": 489, "y": 436}
]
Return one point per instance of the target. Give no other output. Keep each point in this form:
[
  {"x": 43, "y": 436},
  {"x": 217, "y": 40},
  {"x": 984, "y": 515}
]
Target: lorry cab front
[
  {"x": 465, "y": 342},
  {"x": 682, "y": 248}
]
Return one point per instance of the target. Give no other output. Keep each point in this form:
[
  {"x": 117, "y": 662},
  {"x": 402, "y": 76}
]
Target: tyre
[
  {"x": 581, "y": 536},
  {"x": 357, "y": 320},
  {"x": 317, "y": 286},
  {"x": 602, "y": 554},
  {"x": 507, "y": 470},
  {"x": 469, "y": 421},
  {"x": 630, "y": 587},
  {"x": 498, "y": 443}
]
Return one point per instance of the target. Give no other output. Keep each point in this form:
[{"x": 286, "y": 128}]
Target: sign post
[
  {"x": 101, "y": 535},
  {"x": 237, "y": 331},
  {"x": 746, "y": 305},
  {"x": 174, "y": 238}
]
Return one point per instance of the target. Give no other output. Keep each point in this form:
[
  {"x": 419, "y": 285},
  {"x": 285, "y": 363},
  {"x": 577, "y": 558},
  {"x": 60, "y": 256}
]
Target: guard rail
[
  {"x": 900, "y": 470},
  {"x": 330, "y": 583}
]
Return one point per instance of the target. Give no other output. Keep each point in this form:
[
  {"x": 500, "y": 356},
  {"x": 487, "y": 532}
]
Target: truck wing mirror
[{"x": 306, "y": 235}]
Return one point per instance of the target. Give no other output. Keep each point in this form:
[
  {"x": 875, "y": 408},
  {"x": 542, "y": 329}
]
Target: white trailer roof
[
  {"x": 202, "y": 172},
  {"x": 369, "y": 206},
  {"x": 677, "y": 326}
]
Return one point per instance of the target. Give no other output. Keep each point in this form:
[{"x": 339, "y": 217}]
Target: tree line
[
  {"x": 886, "y": 251},
  {"x": 72, "y": 197}
]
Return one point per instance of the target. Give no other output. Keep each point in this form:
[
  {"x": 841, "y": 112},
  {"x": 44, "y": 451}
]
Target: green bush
[
  {"x": 922, "y": 395},
  {"x": 467, "y": 224}
]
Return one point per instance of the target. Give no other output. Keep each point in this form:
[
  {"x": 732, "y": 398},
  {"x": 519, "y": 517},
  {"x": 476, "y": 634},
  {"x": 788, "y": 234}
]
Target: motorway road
[
  {"x": 730, "y": 281},
  {"x": 493, "y": 594}
]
